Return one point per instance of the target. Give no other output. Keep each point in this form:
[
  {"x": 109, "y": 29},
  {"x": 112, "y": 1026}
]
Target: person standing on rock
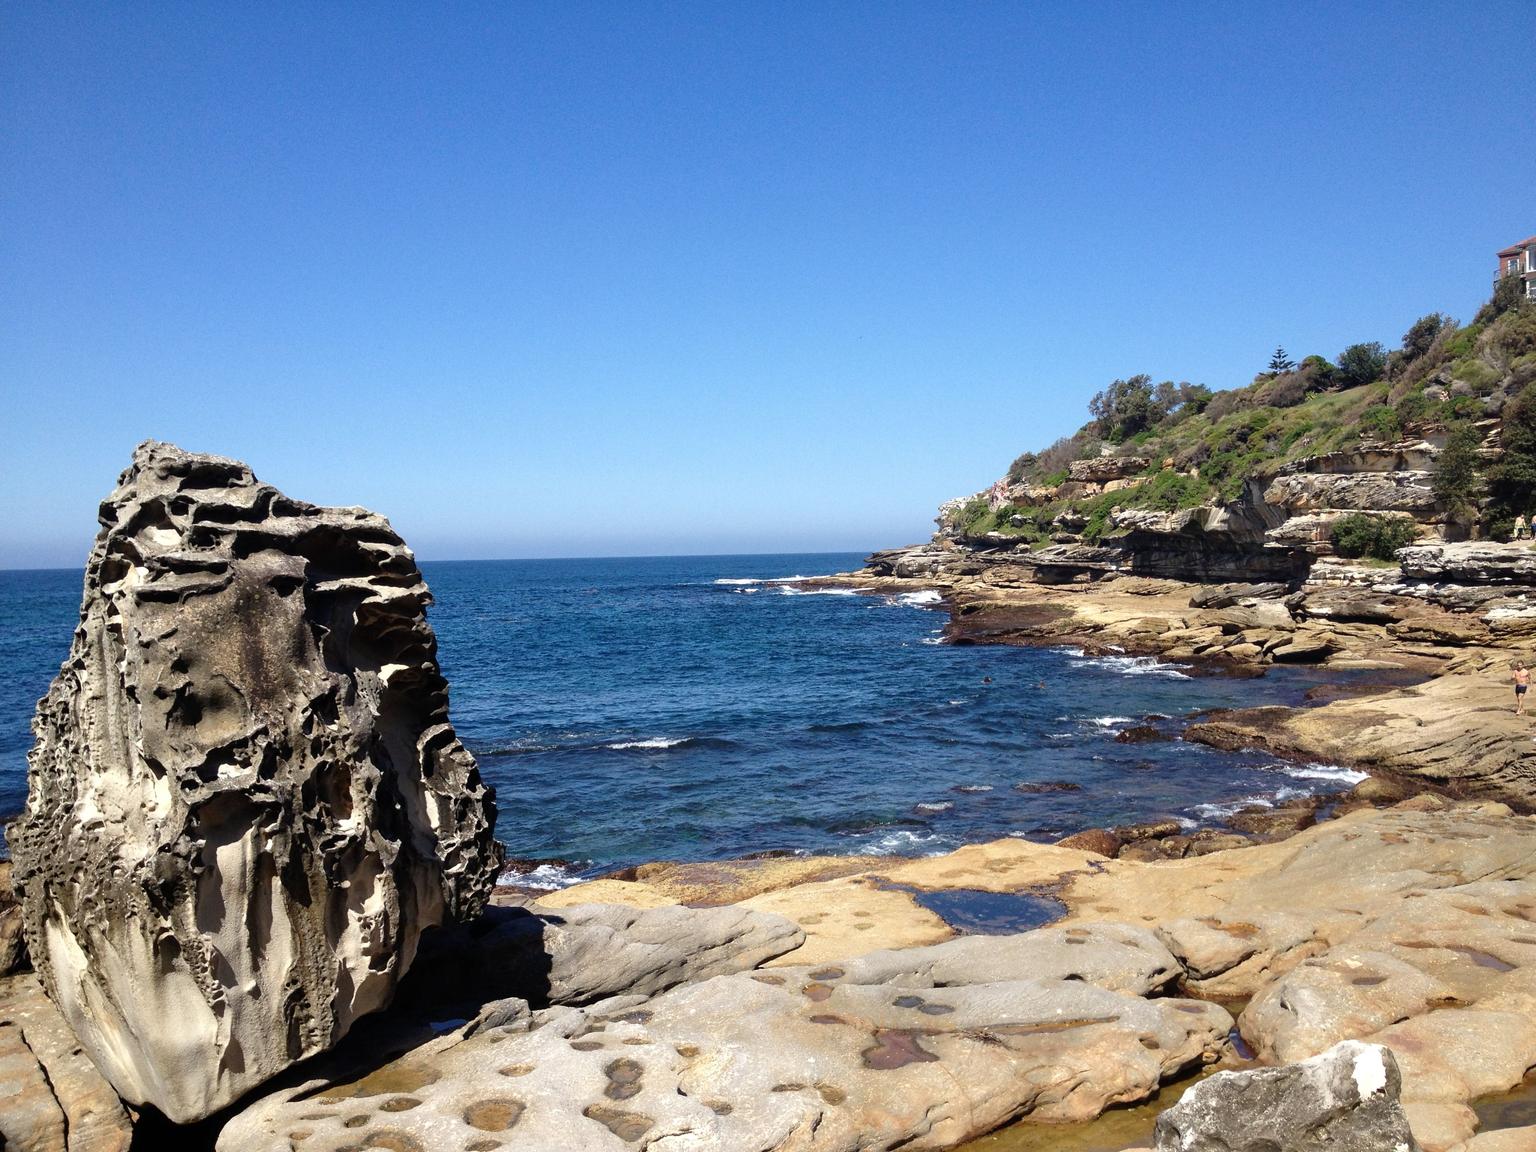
[
  {"x": 1522, "y": 682},
  {"x": 1519, "y": 527}
]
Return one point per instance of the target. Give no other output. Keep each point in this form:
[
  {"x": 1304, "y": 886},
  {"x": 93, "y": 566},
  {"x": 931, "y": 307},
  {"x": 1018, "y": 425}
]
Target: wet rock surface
[
  {"x": 246, "y": 800},
  {"x": 1344, "y": 1100}
]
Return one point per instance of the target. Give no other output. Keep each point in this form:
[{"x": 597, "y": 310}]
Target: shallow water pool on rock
[{"x": 977, "y": 912}]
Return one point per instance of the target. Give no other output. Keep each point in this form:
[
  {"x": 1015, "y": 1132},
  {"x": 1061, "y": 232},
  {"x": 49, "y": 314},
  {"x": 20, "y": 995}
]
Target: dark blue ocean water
[{"x": 683, "y": 708}]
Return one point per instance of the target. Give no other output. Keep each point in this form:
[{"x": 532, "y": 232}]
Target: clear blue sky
[{"x": 576, "y": 279}]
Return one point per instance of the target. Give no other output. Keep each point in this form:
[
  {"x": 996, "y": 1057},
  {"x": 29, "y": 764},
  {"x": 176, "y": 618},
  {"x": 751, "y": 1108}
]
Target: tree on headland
[
  {"x": 1508, "y": 293},
  {"x": 1125, "y": 408},
  {"x": 1454, "y": 479},
  {"x": 1361, "y": 363},
  {"x": 1421, "y": 337},
  {"x": 1280, "y": 362}
]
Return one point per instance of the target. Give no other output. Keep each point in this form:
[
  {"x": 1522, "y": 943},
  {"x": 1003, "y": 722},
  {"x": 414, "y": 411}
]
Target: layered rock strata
[{"x": 246, "y": 801}]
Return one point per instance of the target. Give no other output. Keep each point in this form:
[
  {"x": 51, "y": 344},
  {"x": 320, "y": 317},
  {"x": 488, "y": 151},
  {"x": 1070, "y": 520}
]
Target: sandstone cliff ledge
[{"x": 246, "y": 801}]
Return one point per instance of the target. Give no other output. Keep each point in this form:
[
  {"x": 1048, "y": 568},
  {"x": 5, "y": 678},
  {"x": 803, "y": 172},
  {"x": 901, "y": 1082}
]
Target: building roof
[{"x": 1516, "y": 249}]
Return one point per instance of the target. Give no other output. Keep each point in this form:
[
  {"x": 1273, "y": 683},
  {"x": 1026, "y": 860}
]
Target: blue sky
[{"x": 582, "y": 279}]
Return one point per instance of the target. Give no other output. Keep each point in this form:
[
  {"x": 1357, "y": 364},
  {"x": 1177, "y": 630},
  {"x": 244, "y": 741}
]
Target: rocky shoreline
[{"x": 255, "y": 881}]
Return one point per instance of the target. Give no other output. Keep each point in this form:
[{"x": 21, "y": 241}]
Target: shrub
[
  {"x": 1224, "y": 404},
  {"x": 1056, "y": 458},
  {"x": 1361, "y": 363},
  {"x": 1474, "y": 373},
  {"x": 1319, "y": 372},
  {"x": 1380, "y": 423},
  {"x": 1285, "y": 391},
  {"x": 1415, "y": 408},
  {"x": 1508, "y": 294},
  {"x": 1021, "y": 467},
  {"x": 1516, "y": 335},
  {"x": 1168, "y": 491},
  {"x": 1361, "y": 534},
  {"x": 1462, "y": 341}
]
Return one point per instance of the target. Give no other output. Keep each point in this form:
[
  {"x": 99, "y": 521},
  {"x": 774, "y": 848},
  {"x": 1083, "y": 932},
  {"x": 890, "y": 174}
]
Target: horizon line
[{"x": 545, "y": 559}]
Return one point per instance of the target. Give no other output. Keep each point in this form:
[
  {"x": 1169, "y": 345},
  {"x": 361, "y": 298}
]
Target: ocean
[{"x": 695, "y": 708}]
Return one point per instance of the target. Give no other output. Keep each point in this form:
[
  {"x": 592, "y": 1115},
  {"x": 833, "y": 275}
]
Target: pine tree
[{"x": 1280, "y": 362}]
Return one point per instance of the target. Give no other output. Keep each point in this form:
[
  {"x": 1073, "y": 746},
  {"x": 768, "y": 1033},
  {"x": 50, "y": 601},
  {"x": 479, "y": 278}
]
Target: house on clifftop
[{"x": 1519, "y": 260}]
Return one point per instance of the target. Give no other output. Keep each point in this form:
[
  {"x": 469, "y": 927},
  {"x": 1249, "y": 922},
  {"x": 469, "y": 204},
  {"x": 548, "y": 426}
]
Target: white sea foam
[
  {"x": 1059, "y": 735},
  {"x": 1331, "y": 772},
  {"x": 1132, "y": 666},
  {"x": 931, "y": 640},
  {"x": 907, "y": 842},
  {"x": 934, "y": 806},
  {"x": 747, "y": 580},
  {"x": 654, "y": 742},
  {"x": 1230, "y": 807},
  {"x": 973, "y": 787},
  {"x": 1224, "y": 809},
  {"x": 919, "y": 599},
  {"x": 544, "y": 877},
  {"x": 1111, "y": 721},
  {"x": 787, "y": 591}
]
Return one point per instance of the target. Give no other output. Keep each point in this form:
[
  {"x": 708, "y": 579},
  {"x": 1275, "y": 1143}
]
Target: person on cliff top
[
  {"x": 1522, "y": 682},
  {"x": 1520, "y": 527}
]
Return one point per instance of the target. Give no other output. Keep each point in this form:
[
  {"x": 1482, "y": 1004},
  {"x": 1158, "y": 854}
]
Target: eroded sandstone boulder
[{"x": 246, "y": 800}]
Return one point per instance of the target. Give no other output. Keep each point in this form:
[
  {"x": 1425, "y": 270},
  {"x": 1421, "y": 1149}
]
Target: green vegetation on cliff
[{"x": 1169, "y": 446}]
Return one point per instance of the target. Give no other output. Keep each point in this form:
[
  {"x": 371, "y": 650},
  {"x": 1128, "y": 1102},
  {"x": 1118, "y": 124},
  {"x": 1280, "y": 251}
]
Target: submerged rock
[
  {"x": 245, "y": 801},
  {"x": 1345, "y": 1100}
]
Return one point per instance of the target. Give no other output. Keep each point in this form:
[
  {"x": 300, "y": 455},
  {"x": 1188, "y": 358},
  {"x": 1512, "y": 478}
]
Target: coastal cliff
[{"x": 1433, "y": 442}]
